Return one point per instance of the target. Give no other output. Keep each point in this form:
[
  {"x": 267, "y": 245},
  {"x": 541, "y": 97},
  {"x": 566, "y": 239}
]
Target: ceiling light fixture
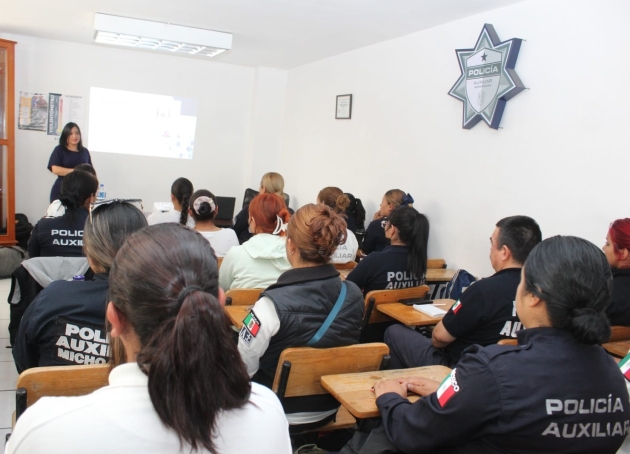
[{"x": 144, "y": 34}]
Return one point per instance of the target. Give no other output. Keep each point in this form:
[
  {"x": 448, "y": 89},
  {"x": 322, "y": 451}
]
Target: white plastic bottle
[{"x": 102, "y": 193}]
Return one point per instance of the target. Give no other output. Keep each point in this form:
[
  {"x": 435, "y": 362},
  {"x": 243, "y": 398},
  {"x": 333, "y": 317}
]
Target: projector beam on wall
[{"x": 144, "y": 34}]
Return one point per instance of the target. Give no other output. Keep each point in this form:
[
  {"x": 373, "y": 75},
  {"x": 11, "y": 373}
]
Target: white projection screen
[{"x": 141, "y": 123}]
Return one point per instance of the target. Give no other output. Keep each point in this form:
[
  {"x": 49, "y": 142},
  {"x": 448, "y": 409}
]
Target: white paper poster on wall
[
  {"x": 63, "y": 109},
  {"x": 33, "y": 111}
]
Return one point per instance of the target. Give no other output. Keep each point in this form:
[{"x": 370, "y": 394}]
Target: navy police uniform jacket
[
  {"x": 549, "y": 394},
  {"x": 65, "y": 325},
  {"x": 58, "y": 237},
  {"x": 375, "y": 239}
]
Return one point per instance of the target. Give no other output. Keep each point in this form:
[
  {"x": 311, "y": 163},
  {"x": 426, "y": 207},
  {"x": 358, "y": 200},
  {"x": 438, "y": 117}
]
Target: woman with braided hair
[
  {"x": 184, "y": 387},
  {"x": 292, "y": 312}
]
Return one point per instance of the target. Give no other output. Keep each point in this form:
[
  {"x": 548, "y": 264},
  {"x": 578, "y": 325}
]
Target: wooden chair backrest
[
  {"x": 390, "y": 296},
  {"x": 345, "y": 266},
  {"x": 436, "y": 264},
  {"x": 619, "y": 333},
  {"x": 219, "y": 261},
  {"x": 62, "y": 381},
  {"x": 308, "y": 365},
  {"x": 508, "y": 342},
  {"x": 242, "y": 296}
]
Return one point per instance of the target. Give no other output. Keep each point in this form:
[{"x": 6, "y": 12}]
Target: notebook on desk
[{"x": 430, "y": 310}]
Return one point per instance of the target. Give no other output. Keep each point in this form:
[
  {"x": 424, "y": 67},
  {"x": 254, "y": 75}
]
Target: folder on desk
[{"x": 430, "y": 310}]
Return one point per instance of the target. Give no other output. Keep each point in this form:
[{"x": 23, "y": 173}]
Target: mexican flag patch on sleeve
[
  {"x": 252, "y": 323},
  {"x": 447, "y": 389},
  {"x": 457, "y": 306},
  {"x": 624, "y": 365}
]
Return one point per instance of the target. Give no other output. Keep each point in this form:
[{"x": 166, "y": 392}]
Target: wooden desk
[
  {"x": 353, "y": 391},
  {"x": 343, "y": 274},
  {"x": 619, "y": 348},
  {"x": 407, "y": 315},
  {"x": 237, "y": 314},
  {"x": 440, "y": 276}
]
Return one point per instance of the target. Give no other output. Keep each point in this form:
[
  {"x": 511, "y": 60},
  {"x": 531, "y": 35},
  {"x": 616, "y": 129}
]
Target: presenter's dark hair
[
  {"x": 520, "y": 234},
  {"x": 182, "y": 189},
  {"x": 76, "y": 189},
  {"x": 356, "y": 209},
  {"x": 107, "y": 229},
  {"x": 204, "y": 212},
  {"x": 572, "y": 276},
  {"x": 65, "y": 133},
  {"x": 317, "y": 231},
  {"x": 164, "y": 283},
  {"x": 413, "y": 228}
]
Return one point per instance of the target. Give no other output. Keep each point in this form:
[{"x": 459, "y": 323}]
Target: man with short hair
[{"x": 484, "y": 314}]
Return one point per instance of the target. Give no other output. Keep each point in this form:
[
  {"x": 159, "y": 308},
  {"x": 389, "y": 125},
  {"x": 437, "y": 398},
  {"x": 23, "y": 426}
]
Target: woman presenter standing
[{"x": 66, "y": 156}]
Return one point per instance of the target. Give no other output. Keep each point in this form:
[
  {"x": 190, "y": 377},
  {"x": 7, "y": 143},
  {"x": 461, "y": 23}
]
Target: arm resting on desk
[{"x": 441, "y": 337}]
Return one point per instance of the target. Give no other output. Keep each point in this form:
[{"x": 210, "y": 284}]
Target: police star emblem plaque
[{"x": 488, "y": 78}]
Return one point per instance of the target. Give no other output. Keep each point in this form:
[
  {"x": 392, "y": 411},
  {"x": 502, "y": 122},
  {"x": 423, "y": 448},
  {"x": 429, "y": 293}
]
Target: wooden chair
[
  {"x": 619, "y": 333},
  {"x": 58, "y": 381},
  {"x": 508, "y": 342},
  {"x": 242, "y": 296},
  {"x": 345, "y": 266},
  {"x": 219, "y": 261},
  {"x": 376, "y": 297},
  {"x": 436, "y": 264},
  {"x": 300, "y": 370}
]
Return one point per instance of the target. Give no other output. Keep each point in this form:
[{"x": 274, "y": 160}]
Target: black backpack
[{"x": 23, "y": 230}]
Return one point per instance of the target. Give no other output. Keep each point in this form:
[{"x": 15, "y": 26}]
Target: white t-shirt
[
  {"x": 221, "y": 240},
  {"x": 120, "y": 418},
  {"x": 161, "y": 217},
  {"x": 346, "y": 252}
]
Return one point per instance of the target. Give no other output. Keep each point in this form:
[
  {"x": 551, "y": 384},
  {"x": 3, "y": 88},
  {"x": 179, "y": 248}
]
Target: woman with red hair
[
  {"x": 260, "y": 261},
  {"x": 617, "y": 250}
]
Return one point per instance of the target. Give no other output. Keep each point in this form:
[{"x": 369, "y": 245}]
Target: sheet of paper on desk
[{"x": 430, "y": 310}]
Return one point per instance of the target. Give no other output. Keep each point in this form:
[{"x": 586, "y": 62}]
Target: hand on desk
[
  {"x": 421, "y": 386},
  {"x": 403, "y": 386}
]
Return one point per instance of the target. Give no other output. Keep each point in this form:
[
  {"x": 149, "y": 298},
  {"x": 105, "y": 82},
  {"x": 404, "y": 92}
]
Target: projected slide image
[{"x": 142, "y": 123}]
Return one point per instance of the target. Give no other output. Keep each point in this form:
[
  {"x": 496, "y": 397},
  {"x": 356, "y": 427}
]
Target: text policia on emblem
[{"x": 483, "y": 71}]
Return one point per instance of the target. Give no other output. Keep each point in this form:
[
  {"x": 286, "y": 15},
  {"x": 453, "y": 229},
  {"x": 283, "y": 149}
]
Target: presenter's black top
[
  {"x": 58, "y": 237},
  {"x": 63, "y": 157},
  {"x": 619, "y": 309}
]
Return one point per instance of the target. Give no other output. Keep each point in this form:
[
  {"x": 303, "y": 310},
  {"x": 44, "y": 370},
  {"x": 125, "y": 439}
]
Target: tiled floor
[{"x": 8, "y": 374}]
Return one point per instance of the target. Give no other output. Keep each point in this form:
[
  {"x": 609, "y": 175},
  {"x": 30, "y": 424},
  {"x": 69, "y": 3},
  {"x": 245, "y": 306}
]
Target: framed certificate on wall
[{"x": 344, "y": 107}]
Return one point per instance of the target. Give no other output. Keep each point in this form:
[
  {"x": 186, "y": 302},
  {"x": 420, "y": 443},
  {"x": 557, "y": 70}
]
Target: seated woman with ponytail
[
  {"x": 184, "y": 387},
  {"x": 203, "y": 209},
  {"x": 295, "y": 311},
  {"x": 335, "y": 198},
  {"x": 403, "y": 264},
  {"x": 260, "y": 261},
  {"x": 181, "y": 191},
  {"x": 375, "y": 238},
  {"x": 63, "y": 236},
  {"x": 556, "y": 391}
]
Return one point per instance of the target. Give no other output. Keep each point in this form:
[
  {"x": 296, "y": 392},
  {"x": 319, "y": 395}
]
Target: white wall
[
  {"x": 225, "y": 94},
  {"x": 264, "y": 151},
  {"x": 561, "y": 157}
]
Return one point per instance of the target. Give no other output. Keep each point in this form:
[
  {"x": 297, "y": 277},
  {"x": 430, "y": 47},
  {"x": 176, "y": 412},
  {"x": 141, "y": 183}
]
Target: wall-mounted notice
[
  {"x": 33, "y": 111},
  {"x": 63, "y": 109}
]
